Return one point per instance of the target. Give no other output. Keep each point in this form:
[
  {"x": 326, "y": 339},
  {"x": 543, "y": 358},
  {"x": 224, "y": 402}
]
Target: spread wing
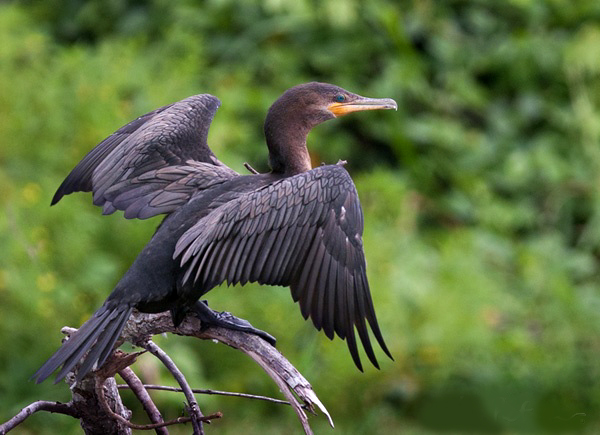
[
  {"x": 304, "y": 232},
  {"x": 153, "y": 158},
  {"x": 163, "y": 190}
]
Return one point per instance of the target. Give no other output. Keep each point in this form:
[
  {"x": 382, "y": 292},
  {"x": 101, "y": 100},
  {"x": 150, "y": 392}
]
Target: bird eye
[{"x": 340, "y": 98}]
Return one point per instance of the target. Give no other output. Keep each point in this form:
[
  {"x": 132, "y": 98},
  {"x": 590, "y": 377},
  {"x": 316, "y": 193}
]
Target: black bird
[{"x": 295, "y": 226}]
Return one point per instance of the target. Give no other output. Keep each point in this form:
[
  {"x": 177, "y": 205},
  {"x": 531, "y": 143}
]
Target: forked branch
[
  {"x": 101, "y": 393},
  {"x": 283, "y": 373}
]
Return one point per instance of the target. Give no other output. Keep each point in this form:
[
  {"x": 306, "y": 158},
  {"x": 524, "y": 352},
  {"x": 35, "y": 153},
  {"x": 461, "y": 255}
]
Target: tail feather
[
  {"x": 93, "y": 340},
  {"x": 103, "y": 346},
  {"x": 64, "y": 355},
  {"x": 80, "y": 346},
  {"x": 116, "y": 334},
  {"x": 98, "y": 335}
]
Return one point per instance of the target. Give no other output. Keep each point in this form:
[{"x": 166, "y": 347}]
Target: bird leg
[{"x": 224, "y": 319}]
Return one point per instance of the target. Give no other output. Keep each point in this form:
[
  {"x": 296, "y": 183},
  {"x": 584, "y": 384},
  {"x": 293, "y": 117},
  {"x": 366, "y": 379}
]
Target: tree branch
[
  {"x": 40, "y": 405},
  {"x": 193, "y": 408},
  {"x": 210, "y": 392},
  {"x": 161, "y": 425},
  {"x": 96, "y": 406},
  {"x": 250, "y": 168},
  {"x": 137, "y": 387},
  {"x": 91, "y": 395},
  {"x": 283, "y": 373}
]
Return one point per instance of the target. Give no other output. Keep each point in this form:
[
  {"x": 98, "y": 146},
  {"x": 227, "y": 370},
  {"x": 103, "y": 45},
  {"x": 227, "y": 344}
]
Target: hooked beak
[{"x": 360, "y": 104}]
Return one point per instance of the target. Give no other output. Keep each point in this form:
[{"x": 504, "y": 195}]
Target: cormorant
[{"x": 295, "y": 226}]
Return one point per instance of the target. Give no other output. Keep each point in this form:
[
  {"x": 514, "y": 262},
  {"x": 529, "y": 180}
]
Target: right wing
[{"x": 304, "y": 232}]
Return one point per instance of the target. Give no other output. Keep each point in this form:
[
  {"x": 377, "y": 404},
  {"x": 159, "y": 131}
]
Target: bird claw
[
  {"x": 236, "y": 323},
  {"x": 226, "y": 320}
]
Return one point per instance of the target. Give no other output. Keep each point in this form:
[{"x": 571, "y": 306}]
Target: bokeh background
[{"x": 481, "y": 195}]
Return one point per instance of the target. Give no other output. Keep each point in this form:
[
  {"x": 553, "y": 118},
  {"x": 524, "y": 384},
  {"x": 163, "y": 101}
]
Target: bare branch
[
  {"x": 281, "y": 383},
  {"x": 210, "y": 392},
  {"x": 194, "y": 409},
  {"x": 106, "y": 407},
  {"x": 93, "y": 417},
  {"x": 270, "y": 359},
  {"x": 40, "y": 405},
  {"x": 91, "y": 395},
  {"x": 137, "y": 387},
  {"x": 250, "y": 168}
]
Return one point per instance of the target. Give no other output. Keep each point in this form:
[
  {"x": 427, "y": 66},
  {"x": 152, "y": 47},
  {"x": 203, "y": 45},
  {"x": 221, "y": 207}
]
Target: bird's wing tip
[{"x": 57, "y": 197}]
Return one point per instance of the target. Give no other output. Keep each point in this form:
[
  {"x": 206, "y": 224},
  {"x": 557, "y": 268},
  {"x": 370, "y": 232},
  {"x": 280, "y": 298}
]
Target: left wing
[
  {"x": 162, "y": 157},
  {"x": 163, "y": 190}
]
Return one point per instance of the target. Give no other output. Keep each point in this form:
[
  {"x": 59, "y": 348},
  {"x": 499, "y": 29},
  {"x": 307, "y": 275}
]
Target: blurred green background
[{"x": 481, "y": 199}]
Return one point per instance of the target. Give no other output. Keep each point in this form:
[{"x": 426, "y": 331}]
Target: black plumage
[{"x": 295, "y": 226}]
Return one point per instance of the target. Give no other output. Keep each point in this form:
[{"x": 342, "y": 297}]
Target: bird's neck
[{"x": 287, "y": 148}]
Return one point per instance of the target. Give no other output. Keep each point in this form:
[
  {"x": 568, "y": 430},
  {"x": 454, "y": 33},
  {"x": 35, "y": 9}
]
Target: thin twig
[
  {"x": 138, "y": 331},
  {"x": 40, "y": 405},
  {"x": 194, "y": 409},
  {"x": 210, "y": 392},
  {"x": 136, "y": 385},
  {"x": 283, "y": 373},
  {"x": 250, "y": 168},
  {"x": 112, "y": 414},
  {"x": 269, "y": 358}
]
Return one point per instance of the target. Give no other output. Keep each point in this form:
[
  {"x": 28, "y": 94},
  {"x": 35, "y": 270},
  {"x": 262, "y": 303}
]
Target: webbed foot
[{"x": 224, "y": 319}]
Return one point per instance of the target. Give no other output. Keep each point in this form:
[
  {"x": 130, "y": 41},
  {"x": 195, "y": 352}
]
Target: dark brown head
[{"x": 301, "y": 108}]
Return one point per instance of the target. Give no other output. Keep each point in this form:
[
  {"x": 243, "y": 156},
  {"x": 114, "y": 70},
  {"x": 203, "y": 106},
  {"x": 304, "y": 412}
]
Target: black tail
[{"x": 98, "y": 335}]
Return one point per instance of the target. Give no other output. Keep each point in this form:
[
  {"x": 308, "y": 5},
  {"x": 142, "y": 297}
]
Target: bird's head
[
  {"x": 301, "y": 108},
  {"x": 313, "y": 103}
]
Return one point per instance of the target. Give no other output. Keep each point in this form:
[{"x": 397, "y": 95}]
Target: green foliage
[{"x": 481, "y": 198}]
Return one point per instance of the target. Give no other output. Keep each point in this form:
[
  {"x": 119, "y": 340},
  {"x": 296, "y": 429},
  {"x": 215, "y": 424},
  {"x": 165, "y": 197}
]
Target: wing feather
[
  {"x": 154, "y": 164},
  {"x": 320, "y": 287},
  {"x": 276, "y": 255},
  {"x": 303, "y": 231},
  {"x": 315, "y": 260},
  {"x": 80, "y": 178},
  {"x": 329, "y": 302}
]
